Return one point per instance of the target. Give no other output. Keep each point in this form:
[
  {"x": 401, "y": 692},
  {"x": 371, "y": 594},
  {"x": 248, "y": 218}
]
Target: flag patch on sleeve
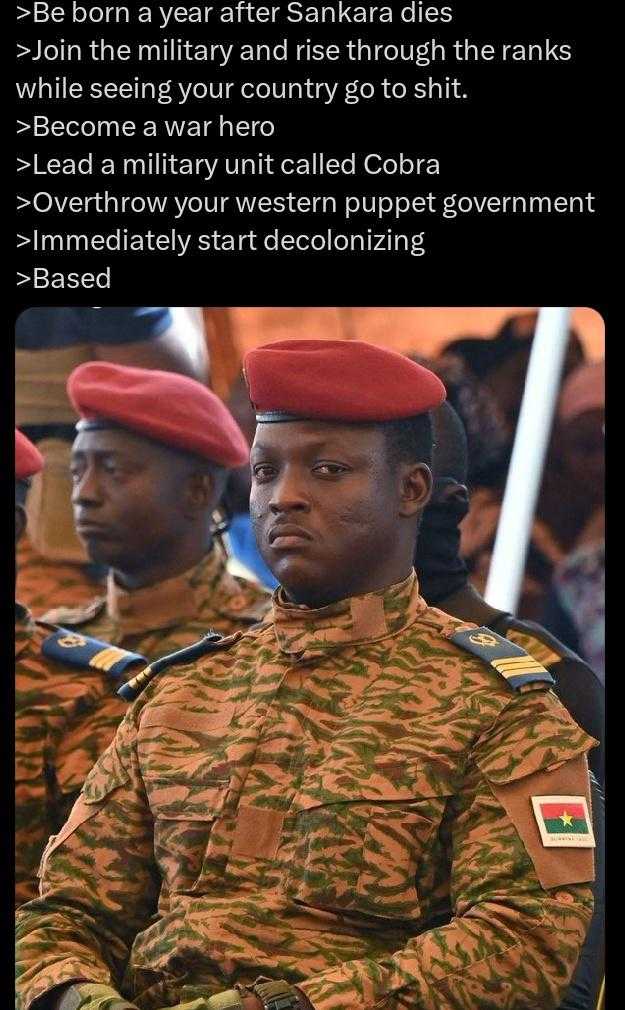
[{"x": 564, "y": 822}]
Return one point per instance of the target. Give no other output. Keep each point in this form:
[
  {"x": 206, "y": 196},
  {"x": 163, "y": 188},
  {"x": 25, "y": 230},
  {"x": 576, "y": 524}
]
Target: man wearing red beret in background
[
  {"x": 360, "y": 803},
  {"x": 66, "y": 710},
  {"x": 149, "y": 464}
]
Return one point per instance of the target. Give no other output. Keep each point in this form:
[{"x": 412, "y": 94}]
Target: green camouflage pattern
[
  {"x": 157, "y": 620},
  {"x": 64, "y": 719},
  {"x": 321, "y": 801},
  {"x": 42, "y": 584}
]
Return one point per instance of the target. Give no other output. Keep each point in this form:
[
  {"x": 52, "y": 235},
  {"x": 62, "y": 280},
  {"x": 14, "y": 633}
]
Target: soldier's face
[
  {"x": 326, "y": 509},
  {"x": 126, "y": 498}
]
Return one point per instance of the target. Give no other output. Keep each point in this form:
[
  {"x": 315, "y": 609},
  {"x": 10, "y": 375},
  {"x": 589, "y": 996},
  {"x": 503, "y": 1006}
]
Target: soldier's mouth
[
  {"x": 285, "y": 536},
  {"x": 93, "y": 530}
]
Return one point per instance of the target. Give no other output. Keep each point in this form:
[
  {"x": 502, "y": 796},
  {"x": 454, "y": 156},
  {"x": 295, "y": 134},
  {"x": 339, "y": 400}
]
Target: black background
[{"x": 526, "y": 128}]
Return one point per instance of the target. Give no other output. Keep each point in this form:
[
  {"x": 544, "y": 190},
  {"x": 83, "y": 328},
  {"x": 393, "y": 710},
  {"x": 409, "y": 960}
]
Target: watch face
[{"x": 288, "y": 1002}]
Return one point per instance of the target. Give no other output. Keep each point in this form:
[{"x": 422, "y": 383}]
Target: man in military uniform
[
  {"x": 361, "y": 802},
  {"x": 54, "y": 569},
  {"x": 66, "y": 710},
  {"x": 444, "y": 583},
  {"x": 148, "y": 465}
]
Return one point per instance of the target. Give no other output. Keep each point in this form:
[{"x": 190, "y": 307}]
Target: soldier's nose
[{"x": 288, "y": 496}]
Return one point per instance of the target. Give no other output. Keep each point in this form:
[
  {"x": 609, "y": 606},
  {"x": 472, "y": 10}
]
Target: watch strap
[{"x": 276, "y": 995}]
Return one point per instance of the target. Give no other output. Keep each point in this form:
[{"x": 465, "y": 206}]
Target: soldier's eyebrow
[
  {"x": 328, "y": 447},
  {"x": 118, "y": 454}
]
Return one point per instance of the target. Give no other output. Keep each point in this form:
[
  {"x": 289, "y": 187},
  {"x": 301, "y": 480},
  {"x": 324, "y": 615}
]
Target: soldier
[
  {"x": 444, "y": 583},
  {"x": 66, "y": 710},
  {"x": 149, "y": 464},
  {"x": 361, "y": 802},
  {"x": 49, "y": 343}
]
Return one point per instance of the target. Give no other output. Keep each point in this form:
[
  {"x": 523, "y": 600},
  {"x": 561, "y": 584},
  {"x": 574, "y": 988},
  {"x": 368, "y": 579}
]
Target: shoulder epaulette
[
  {"x": 544, "y": 646},
  {"x": 514, "y": 664},
  {"x": 211, "y": 642},
  {"x": 73, "y": 649}
]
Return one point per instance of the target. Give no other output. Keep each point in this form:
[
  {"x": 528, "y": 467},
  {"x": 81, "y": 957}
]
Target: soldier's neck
[
  {"x": 158, "y": 569},
  {"x": 467, "y": 605}
]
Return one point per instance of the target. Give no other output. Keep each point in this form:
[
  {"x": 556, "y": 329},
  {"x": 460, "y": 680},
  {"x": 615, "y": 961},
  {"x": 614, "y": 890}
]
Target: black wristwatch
[{"x": 276, "y": 995}]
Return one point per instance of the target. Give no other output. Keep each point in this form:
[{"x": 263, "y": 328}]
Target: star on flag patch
[{"x": 564, "y": 822}]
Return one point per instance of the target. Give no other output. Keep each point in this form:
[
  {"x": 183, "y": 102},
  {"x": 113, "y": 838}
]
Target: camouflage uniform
[
  {"x": 577, "y": 685},
  {"x": 339, "y": 798},
  {"x": 64, "y": 719},
  {"x": 42, "y": 584},
  {"x": 160, "y": 619}
]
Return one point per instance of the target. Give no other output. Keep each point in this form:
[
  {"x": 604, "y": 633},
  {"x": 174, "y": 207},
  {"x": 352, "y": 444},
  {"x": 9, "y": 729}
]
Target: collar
[
  {"x": 175, "y": 601},
  {"x": 302, "y": 632}
]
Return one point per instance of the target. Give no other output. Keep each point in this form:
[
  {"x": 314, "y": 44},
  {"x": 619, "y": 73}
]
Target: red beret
[
  {"x": 28, "y": 459},
  {"x": 170, "y": 408},
  {"x": 338, "y": 380}
]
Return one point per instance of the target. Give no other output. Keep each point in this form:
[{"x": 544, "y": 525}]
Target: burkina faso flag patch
[{"x": 564, "y": 821}]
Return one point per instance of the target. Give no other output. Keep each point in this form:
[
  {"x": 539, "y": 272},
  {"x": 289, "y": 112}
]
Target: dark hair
[
  {"x": 482, "y": 355},
  {"x": 450, "y": 450},
  {"x": 408, "y": 440},
  {"x": 199, "y": 464},
  {"x": 219, "y": 475}
]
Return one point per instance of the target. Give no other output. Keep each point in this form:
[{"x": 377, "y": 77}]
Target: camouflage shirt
[
  {"x": 42, "y": 583},
  {"x": 160, "y": 619},
  {"x": 64, "y": 719},
  {"x": 341, "y": 798},
  {"x": 577, "y": 685}
]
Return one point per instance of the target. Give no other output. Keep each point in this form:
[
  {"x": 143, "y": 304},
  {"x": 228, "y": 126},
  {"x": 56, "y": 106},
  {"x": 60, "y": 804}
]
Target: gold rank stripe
[
  {"x": 516, "y": 661},
  {"x": 518, "y": 668},
  {"x": 142, "y": 678},
  {"x": 522, "y": 670},
  {"x": 106, "y": 658}
]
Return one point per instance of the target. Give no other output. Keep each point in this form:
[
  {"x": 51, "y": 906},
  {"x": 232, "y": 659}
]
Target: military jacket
[
  {"x": 160, "y": 619},
  {"x": 42, "y": 584},
  {"x": 64, "y": 719},
  {"x": 340, "y": 797},
  {"x": 577, "y": 685}
]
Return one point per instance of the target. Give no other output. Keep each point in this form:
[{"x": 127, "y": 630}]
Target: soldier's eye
[
  {"x": 263, "y": 471},
  {"x": 329, "y": 469}
]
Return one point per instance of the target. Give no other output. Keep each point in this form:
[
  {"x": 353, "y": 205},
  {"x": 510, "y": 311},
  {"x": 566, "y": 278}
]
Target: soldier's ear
[
  {"x": 199, "y": 491},
  {"x": 415, "y": 488}
]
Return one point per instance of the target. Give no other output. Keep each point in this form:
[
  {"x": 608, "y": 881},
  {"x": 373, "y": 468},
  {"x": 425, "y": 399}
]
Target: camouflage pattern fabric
[
  {"x": 64, "y": 719},
  {"x": 577, "y": 685},
  {"x": 42, "y": 584},
  {"x": 339, "y": 798},
  {"x": 161, "y": 619}
]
